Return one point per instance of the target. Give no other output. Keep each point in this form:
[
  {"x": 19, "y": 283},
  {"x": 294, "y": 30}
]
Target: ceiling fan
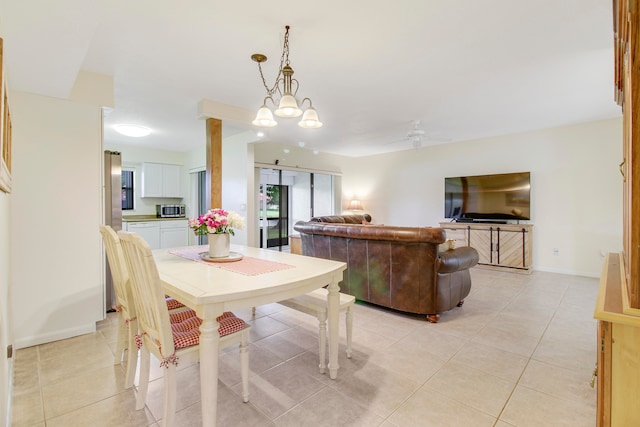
[{"x": 417, "y": 135}]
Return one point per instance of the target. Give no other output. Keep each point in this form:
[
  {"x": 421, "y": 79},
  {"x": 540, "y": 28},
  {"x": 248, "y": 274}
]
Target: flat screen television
[{"x": 500, "y": 197}]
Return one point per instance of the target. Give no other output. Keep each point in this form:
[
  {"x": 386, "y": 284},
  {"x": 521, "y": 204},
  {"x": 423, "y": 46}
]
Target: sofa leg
[
  {"x": 460, "y": 303},
  {"x": 433, "y": 318}
]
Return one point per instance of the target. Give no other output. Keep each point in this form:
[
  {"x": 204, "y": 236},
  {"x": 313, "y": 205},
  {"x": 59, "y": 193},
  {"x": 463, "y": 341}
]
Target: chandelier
[{"x": 288, "y": 104}]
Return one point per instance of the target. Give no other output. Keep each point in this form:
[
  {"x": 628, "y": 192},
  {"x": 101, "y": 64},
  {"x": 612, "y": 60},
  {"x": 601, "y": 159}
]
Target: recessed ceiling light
[
  {"x": 259, "y": 134},
  {"x": 135, "y": 131}
]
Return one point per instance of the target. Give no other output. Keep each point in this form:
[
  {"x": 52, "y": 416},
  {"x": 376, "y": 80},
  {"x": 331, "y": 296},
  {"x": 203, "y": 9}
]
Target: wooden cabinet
[
  {"x": 618, "y": 304},
  {"x": 499, "y": 246},
  {"x": 627, "y": 95},
  {"x": 295, "y": 244},
  {"x": 618, "y": 341},
  {"x": 161, "y": 180}
]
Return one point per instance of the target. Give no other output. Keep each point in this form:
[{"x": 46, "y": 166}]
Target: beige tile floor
[{"x": 520, "y": 352}]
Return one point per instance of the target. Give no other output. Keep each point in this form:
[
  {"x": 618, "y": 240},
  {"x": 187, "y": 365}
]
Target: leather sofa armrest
[{"x": 457, "y": 259}]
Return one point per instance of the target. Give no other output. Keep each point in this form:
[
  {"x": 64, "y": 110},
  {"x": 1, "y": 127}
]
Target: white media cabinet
[{"x": 504, "y": 247}]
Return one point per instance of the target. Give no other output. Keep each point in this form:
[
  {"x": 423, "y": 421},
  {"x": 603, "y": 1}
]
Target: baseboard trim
[
  {"x": 568, "y": 272},
  {"x": 54, "y": 336}
]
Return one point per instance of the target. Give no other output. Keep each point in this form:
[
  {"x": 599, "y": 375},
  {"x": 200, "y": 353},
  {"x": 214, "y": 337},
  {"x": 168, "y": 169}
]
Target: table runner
[{"x": 248, "y": 266}]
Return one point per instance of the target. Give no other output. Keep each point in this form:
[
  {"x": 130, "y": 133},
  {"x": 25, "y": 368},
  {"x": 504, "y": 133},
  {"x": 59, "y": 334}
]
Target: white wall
[
  {"x": 576, "y": 191},
  {"x": 237, "y": 180},
  {"x": 56, "y": 280}
]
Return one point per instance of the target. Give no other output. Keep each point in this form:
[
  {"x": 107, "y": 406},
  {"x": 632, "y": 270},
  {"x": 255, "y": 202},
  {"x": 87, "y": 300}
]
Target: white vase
[{"x": 218, "y": 245}]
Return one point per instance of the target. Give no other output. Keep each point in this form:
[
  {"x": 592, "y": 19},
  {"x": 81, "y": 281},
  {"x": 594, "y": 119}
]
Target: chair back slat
[
  {"x": 148, "y": 295},
  {"x": 119, "y": 273}
]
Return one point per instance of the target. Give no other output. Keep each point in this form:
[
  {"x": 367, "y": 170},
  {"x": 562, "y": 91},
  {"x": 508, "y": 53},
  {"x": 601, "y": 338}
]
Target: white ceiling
[{"x": 466, "y": 69}]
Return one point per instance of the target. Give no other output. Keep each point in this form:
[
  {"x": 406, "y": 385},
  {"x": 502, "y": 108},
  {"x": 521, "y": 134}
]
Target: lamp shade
[
  {"x": 310, "y": 119},
  {"x": 264, "y": 118},
  {"x": 355, "y": 205},
  {"x": 288, "y": 107}
]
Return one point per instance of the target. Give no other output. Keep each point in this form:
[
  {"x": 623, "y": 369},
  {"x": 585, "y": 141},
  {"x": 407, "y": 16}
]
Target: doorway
[
  {"x": 274, "y": 213},
  {"x": 286, "y": 197}
]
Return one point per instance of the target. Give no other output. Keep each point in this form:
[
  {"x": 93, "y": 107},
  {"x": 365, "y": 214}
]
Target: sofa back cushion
[{"x": 342, "y": 219}]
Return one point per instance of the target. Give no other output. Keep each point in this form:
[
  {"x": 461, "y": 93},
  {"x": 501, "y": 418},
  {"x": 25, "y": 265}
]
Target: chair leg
[
  {"x": 143, "y": 384},
  {"x": 322, "y": 333},
  {"x": 121, "y": 340},
  {"x": 168, "y": 419},
  {"x": 349, "y": 326},
  {"x": 244, "y": 365},
  {"x": 132, "y": 354}
]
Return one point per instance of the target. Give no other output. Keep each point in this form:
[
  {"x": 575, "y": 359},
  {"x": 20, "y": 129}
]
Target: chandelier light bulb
[
  {"x": 288, "y": 107},
  {"x": 310, "y": 119},
  {"x": 264, "y": 118}
]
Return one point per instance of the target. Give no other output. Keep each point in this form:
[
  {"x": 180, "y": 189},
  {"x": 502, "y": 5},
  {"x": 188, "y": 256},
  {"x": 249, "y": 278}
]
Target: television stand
[{"x": 506, "y": 247}]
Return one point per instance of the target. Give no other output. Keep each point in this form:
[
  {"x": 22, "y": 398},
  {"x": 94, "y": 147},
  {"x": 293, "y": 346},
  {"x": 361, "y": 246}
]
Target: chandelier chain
[{"x": 284, "y": 60}]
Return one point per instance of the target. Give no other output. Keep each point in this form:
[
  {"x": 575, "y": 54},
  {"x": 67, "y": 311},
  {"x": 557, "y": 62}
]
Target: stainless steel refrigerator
[{"x": 113, "y": 212}]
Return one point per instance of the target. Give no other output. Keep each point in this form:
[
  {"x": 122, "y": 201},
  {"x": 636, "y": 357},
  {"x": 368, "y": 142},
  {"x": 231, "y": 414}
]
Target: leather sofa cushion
[
  {"x": 343, "y": 219},
  {"x": 374, "y": 232},
  {"x": 457, "y": 259}
]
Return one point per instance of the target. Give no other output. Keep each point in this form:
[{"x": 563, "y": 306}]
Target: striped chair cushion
[
  {"x": 181, "y": 316},
  {"x": 229, "y": 325},
  {"x": 186, "y": 332},
  {"x": 172, "y": 304}
]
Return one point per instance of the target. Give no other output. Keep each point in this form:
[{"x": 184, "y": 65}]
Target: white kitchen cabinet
[
  {"x": 148, "y": 230},
  {"x": 174, "y": 233},
  {"x": 161, "y": 180},
  {"x": 171, "y": 181},
  {"x": 161, "y": 234}
]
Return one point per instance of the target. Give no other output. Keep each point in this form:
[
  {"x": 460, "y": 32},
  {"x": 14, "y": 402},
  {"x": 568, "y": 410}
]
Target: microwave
[{"x": 170, "y": 211}]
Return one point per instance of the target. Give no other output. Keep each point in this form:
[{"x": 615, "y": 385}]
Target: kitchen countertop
[{"x": 132, "y": 218}]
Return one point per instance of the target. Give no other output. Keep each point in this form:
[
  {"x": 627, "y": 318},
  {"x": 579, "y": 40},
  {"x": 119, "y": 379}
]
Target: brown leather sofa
[{"x": 396, "y": 267}]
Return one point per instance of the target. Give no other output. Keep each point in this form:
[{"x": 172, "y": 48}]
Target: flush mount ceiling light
[
  {"x": 288, "y": 104},
  {"x": 135, "y": 131}
]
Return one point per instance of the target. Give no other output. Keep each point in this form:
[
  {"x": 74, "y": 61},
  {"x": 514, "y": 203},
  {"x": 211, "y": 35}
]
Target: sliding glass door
[
  {"x": 274, "y": 212},
  {"x": 287, "y": 197}
]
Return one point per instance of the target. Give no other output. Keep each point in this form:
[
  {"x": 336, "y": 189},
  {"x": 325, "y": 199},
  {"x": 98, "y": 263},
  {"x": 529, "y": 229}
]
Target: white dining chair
[
  {"x": 171, "y": 342},
  {"x": 127, "y": 320}
]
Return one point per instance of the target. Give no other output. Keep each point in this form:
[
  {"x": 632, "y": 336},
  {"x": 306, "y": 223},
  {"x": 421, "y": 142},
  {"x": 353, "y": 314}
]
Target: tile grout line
[{"x": 529, "y": 359}]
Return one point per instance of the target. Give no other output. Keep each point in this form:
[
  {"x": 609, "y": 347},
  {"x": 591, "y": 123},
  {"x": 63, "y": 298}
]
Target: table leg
[
  {"x": 209, "y": 350},
  {"x": 333, "y": 315}
]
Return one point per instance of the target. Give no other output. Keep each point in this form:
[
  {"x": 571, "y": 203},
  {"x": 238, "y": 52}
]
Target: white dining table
[{"x": 211, "y": 288}]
